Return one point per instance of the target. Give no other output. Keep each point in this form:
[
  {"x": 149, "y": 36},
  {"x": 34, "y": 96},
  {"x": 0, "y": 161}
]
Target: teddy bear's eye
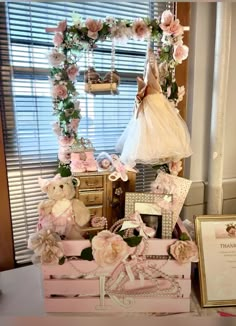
[{"x": 53, "y": 187}]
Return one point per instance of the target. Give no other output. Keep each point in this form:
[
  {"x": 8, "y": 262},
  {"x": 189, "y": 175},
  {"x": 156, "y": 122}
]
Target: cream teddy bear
[{"x": 61, "y": 212}]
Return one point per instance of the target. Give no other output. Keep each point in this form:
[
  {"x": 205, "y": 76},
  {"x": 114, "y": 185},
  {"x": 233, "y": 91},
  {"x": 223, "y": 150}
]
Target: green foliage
[
  {"x": 86, "y": 254},
  {"x": 133, "y": 241},
  {"x": 184, "y": 237},
  {"x": 64, "y": 170},
  {"x": 62, "y": 260}
]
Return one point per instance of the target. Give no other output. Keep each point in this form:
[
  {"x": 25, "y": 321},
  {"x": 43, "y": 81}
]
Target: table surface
[{"x": 22, "y": 295}]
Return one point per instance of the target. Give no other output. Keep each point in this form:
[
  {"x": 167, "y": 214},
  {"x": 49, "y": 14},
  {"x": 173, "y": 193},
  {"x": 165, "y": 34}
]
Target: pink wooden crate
[{"x": 74, "y": 294}]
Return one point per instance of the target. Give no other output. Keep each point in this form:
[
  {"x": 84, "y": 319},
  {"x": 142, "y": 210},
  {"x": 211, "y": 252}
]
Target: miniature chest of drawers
[{"x": 102, "y": 196}]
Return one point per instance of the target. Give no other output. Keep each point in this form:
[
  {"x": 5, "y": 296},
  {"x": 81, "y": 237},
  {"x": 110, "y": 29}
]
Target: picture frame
[
  {"x": 216, "y": 240},
  {"x": 151, "y": 205}
]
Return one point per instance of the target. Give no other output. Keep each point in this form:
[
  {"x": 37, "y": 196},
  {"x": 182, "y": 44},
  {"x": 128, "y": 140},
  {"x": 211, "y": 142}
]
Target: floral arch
[{"x": 69, "y": 41}]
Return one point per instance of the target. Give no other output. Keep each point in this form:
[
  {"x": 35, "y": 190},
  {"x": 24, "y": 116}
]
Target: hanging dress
[{"x": 156, "y": 133}]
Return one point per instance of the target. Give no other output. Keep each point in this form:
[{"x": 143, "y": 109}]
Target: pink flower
[
  {"x": 58, "y": 39},
  {"x": 61, "y": 27},
  {"x": 64, "y": 155},
  {"x": 55, "y": 58},
  {"x": 167, "y": 18},
  {"x": 74, "y": 124},
  {"x": 140, "y": 29},
  {"x": 60, "y": 91},
  {"x": 72, "y": 72},
  {"x": 46, "y": 246},
  {"x": 110, "y": 20},
  {"x": 120, "y": 32},
  {"x": 66, "y": 141},
  {"x": 173, "y": 29},
  {"x": 181, "y": 93},
  {"x": 93, "y": 26},
  {"x": 109, "y": 248},
  {"x": 56, "y": 128},
  {"x": 184, "y": 251},
  {"x": 98, "y": 221},
  {"x": 180, "y": 53},
  {"x": 175, "y": 167}
]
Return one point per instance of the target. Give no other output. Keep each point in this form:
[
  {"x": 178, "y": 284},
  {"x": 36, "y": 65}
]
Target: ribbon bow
[
  {"x": 142, "y": 87},
  {"x": 120, "y": 169},
  {"x": 137, "y": 223}
]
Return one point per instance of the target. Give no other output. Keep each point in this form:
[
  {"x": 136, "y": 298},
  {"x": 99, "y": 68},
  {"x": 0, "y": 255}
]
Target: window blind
[{"x": 26, "y": 110}]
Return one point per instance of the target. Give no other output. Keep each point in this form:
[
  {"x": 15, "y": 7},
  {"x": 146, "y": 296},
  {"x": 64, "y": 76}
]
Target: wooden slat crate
[{"x": 65, "y": 291}]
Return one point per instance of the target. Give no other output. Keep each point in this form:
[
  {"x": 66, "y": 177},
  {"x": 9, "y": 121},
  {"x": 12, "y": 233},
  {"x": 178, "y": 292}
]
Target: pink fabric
[
  {"x": 226, "y": 314},
  {"x": 61, "y": 27}
]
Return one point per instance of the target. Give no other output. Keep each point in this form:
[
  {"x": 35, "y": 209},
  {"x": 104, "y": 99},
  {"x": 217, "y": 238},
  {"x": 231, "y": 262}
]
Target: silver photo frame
[{"x": 150, "y": 204}]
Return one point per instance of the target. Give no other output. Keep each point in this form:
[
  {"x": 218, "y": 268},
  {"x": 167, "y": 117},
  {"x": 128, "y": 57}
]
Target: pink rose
[
  {"x": 46, "y": 246},
  {"x": 173, "y": 29},
  {"x": 167, "y": 17},
  {"x": 180, "y": 53},
  {"x": 66, "y": 141},
  {"x": 175, "y": 167},
  {"x": 109, "y": 248},
  {"x": 93, "y": 26},
  {"x": 140, "y": 29},
  {"x": 58, "y": 39},
  {"x": 60, "y": 91},
  {"x": 56, "y": 128},
  {"x": 55, "y": 58},
  {"x": 72, "y": 72},
  {"x": 74, "y": 124},
  {"x": 184, "y": 251},
  {"x": 62, "y": 25},
  {"x": 64, "y": 155}
]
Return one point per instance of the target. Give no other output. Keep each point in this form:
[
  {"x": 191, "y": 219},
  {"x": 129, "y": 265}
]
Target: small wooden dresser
[{"x": 102, "y": 196}]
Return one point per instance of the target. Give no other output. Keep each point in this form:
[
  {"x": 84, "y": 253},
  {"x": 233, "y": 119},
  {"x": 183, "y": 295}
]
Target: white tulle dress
[{"x": 156, "y": 133}]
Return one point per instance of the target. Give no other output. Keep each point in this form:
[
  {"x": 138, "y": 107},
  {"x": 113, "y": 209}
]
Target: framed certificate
[{"x": 216, "y": 240}]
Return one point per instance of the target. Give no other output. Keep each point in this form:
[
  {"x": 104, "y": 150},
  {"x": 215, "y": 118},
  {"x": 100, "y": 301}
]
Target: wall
[{"x": 201, "y": 63}]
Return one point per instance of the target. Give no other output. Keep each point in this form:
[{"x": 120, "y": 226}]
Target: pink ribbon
[
  {"x": 137, "y": 223},
  {"x": 120, "y": 170},
  {"x": 61, "y": 27}
]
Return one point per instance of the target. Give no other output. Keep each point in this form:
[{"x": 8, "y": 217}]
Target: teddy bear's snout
[{"x": 61, "y": 186}]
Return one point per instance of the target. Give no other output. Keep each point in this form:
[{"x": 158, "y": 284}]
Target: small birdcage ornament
[
  {"x": 94, "y": 84},
  {"x": 82, "y": 156}
]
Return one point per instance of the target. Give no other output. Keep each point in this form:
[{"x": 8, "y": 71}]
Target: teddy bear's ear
[{"x": 43, "y": 183}]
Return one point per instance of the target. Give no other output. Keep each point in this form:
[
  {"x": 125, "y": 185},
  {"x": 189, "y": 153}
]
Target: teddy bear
[{"x": 62, "y": 212}]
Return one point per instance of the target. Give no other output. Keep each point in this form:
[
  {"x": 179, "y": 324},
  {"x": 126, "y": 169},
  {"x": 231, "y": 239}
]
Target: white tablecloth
[{"x": 22, "y": 296}]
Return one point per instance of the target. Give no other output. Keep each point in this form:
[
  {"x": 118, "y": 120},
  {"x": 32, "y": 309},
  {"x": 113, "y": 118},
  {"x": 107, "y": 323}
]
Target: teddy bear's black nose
[{"x": 61, "y": 186}]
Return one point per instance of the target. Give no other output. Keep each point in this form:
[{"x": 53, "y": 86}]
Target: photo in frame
[
  {"x": 154, "y": 210},
  {"x": 216, "y": 240}
]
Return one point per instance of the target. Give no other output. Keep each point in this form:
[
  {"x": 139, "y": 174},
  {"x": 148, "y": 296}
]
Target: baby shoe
[
  {"x": 92, "y": 76},
  {"x": 90, "y": 162},
  {"x": 77, "y": 163},
  {"x": 115, "y": 77}
]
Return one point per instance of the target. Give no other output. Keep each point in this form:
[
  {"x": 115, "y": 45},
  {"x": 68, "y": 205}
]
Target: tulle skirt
[{"x": 157, "y": 136}]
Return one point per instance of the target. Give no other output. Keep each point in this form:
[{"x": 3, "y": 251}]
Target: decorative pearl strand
[
  {"x": 112, "y": 64},
  {"x": 90, "y": 64}
]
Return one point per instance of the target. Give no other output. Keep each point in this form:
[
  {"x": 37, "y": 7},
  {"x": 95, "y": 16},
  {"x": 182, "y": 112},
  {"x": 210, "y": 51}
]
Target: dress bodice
[{"x": 151, "y": 78}]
